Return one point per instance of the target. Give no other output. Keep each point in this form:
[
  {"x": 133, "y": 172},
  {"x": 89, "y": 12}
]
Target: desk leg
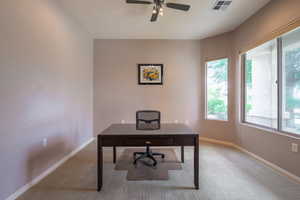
[
  {"x": 196, "y": 162},
  {"x": 115, "y": 154},
  {"x": 182, "y": 154},
  {"x": 100, "y": 163}
]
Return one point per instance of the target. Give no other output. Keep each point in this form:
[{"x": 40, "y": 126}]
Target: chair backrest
[{"x": 147, "y": 120}]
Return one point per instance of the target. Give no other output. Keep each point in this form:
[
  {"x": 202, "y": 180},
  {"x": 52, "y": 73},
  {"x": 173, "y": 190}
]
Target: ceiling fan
[{"x": 158, "y": 7}]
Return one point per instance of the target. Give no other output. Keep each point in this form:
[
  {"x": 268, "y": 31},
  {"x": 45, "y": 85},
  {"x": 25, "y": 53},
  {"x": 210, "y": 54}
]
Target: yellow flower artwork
[{"x": 150, "y": 74}]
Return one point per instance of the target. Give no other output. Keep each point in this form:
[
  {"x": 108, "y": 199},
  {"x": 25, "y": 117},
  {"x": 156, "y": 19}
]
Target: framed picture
[{"x": 150, "y": 74}]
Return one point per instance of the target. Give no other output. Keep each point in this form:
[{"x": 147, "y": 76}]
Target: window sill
[
  {"x": 218, "y": 120},
  {"x": 270, "y": 131}
]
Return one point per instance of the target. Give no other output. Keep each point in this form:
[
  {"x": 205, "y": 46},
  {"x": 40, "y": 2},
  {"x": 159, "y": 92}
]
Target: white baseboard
[
  {"x": 273, "y": 166},
  {"x": 205, "y": 139},
  {"x": 37, "y": 179}
]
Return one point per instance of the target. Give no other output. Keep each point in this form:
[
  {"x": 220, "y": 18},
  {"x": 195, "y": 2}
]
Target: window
[
  {"x": 261, "y": 87},
  {"x": 271, "y": 79},
  {"x": 217, "y": 89},
  {"x": 291, "y": 82}
]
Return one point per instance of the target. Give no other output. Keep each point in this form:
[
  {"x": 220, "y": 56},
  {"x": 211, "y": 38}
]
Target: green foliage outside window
[
  {"x": 217, "y": 89},
  {"x": 215, "y": 104},
  {"x": 249, "y": 79},
  {"x": 292, "y": 83},
  {"x": 292, "y": 77}
]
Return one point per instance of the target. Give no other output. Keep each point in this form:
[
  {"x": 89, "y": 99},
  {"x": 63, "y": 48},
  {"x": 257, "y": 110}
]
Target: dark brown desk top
[{"x": 165, "y": 129}]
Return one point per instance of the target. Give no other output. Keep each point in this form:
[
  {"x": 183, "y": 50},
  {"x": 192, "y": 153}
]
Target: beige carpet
[
  {"x": 144, "y": 172},
  {"x": 225, "y": 174}
]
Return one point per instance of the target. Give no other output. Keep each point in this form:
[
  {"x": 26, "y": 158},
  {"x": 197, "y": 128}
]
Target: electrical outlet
[
  {"x": 45, "y": 142},
  {"x": 294, "y": 147},
  {"x": 122, "y": 121}
]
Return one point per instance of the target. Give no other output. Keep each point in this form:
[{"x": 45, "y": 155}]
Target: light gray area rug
[{"x": 143, "y": 172}]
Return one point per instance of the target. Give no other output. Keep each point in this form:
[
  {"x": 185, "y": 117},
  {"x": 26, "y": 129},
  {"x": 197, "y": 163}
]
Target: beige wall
[
  {"x": 271, "y": 19},
  {"x": 117, "y": 95},
  {"x": 270, "y": 146},
  {"x": 45, "y": 88}
]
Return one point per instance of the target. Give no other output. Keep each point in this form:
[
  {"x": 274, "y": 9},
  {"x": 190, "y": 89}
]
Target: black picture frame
[{"x": 150, "y": 82}]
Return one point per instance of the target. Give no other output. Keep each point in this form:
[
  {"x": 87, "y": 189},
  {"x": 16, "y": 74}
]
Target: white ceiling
[{"x": 114, "y": 19}]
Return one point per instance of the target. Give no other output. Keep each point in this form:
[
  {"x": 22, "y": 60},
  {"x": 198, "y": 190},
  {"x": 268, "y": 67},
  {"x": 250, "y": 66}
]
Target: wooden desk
[{"x": 168, "y": 135}]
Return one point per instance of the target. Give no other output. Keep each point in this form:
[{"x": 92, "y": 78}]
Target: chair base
[{"x": 147, "y": 154}]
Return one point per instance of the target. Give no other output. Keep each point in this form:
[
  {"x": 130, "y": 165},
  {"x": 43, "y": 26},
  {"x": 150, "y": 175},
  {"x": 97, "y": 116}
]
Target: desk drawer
[
  {"x": 111, "y": 141},
  {"x": 141, "y": 141},
  {"x": 158, "y": 140}
]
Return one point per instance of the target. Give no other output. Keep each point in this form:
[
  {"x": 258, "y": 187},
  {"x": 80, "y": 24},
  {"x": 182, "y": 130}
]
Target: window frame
[
  {"x": 244, "y": 91},
  {"x": 206, "y": 89},
  {"x": 280, "y": 75}
]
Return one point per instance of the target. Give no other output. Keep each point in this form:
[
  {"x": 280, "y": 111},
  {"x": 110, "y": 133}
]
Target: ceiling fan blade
[
  {"x": 178, "y": 6},
  {"x": 138, "y": 2},
  {"x": 154, "y": 17}
]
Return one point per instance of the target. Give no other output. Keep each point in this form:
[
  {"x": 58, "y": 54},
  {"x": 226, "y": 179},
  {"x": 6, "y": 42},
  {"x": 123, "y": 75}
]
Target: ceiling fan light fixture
[
  {"x": 154, "y": 11},
  {"x": 161, "y": 11}
]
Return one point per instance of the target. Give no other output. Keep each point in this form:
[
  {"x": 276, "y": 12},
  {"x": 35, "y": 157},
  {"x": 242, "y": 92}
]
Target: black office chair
[{"x": 147, "y": 120}]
